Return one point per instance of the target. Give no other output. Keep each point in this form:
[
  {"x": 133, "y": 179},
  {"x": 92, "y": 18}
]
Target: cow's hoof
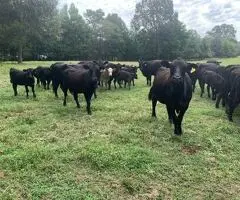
[{"x": 177, "y": 132}]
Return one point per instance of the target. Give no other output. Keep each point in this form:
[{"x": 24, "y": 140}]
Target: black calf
[{"x": 18, "y": 77}]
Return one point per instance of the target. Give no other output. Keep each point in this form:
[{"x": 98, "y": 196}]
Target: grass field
[{"x": 48, "y": 151}]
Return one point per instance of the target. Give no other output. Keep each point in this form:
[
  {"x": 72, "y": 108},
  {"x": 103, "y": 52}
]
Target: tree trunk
[{"x": 20, "y": 53}]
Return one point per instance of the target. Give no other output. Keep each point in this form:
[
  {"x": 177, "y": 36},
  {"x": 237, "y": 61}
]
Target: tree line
[{"x": 37, "y": 29}]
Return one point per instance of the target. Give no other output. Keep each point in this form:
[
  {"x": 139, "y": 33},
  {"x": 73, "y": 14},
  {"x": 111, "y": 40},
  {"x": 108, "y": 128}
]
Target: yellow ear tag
[{"x": 193, "y": 70}]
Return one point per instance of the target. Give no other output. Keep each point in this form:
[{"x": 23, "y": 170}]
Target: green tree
[
  {"x": 115, "y": 37},
  {"x": 20, "y": 20},
  {"x": 73, "y": 34},
  {"x": 223, "y": 40},
  {"x": 95, "y": 20},
  {"x": 156, "y": 22}
]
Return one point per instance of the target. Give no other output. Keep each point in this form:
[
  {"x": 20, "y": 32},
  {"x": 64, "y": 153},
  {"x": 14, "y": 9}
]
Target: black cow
[
  {"x": 172, "y": 86},
  {"x": 191, "y": 70},
  {"x": 199, "y": 72},
  {"x": 126, "y": 77},
  {"x": 132, "y": 71},
  {"x": 150, "y": 68},
  {"x": 217, "y": 83},
  {"x": 96, "y": 66},
  {"x": 233, "y": 97},
  {"x": 56, "y": 70},
  {"x": 79, "y": 80},
  {"x": 18, "y": 77},
  {"x": 43, "y": 75}
]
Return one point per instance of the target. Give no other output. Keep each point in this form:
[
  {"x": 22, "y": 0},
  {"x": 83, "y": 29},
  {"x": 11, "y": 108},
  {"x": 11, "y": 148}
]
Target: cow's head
[
  {"x": 110, "y": 71},
  {"x": 93, "y": 75},
  {"x": 28, "y": 73},
  {"x": 178, "y": 68}
]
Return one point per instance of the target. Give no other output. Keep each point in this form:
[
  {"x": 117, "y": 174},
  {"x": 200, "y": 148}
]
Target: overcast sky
[{"x": 201, "y": 15}]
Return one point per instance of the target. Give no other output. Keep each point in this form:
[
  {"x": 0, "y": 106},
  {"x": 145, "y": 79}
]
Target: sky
[{"x": 200, "y": 15}]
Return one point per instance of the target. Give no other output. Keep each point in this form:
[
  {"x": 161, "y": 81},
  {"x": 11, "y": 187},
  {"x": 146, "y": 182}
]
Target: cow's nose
[{"x": 177, "y": 77}]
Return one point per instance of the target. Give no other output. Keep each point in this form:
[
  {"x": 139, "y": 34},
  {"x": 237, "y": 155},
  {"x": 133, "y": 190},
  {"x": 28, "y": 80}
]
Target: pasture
[{"x": 48, "y": 151}]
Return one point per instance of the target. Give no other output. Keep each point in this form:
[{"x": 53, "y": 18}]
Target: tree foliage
[
  {"x": 24, "y": 19},
  {"x": 38, "y": 27}
]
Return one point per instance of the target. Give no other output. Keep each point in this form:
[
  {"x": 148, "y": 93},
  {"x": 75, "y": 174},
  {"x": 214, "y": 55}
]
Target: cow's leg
[
  {"x": 214, "y": 94},
  {"x": 170, "y": 117},
  {"x": 95, "y": 93},
  {"x": 48, "y": 84},
  {"x": 88, "y": 100},
  {"x": 178, "y": 122},
  {"x": 208, "y": 91},
  {"x": 194, "y": 85},
  {"x": 223, "y": 101},
  {"x": 109, "y": 84},
  {"x": 125, "y": 84},
  {"x": 55, "y": 88},
  {"x": 114, "y": 82},
  {"x": 33, "y": 91},
  {"x": 133, "y": 82},
  {"x": 147, "y": 80},
  {"x": 201, "y": 84},
  {"x": 65, "y": 97},
  {"x": 218, "y": 99},
  {"x": 38, "y": 82},
  {"x": 26, "y": 88},
  {"x": 129, "y": 84},
  {"x": 75, "y": 95},
  {"x": 150, "y": 80},
  {"x": 44, "y": 84},
  {"x": 119, "y": 83},
  {"x": 154, "y": 103},
  {"x": 15, "y": 89},
  {"x": 230, "y": 112}
]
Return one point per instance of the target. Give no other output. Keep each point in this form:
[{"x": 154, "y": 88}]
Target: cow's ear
[
  {"x": 105, "y": 62},
  {"x": 166, "y": 64},
  {"x": 86, "y": 67}
]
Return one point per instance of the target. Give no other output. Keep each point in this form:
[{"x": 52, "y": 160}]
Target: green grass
[{"x": 48, "y": 151}]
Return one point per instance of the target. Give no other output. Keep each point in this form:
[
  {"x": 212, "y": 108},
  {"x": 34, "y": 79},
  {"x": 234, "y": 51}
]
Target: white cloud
[{"x": 201, "y": 15}]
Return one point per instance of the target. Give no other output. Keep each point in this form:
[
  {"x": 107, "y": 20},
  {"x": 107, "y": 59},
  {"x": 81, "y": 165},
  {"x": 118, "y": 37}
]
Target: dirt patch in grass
[
  {"x": 2, "y": 175},
  {"x": 190, "y": 150}
]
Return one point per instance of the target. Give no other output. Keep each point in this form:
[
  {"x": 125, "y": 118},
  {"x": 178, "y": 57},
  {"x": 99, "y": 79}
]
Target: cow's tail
[{"x": 150, "y": 95}]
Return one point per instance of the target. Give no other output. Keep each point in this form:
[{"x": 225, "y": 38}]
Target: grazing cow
[
  {"x": 43, "y": 75},
  {"x": 79, "y": 80},
  {"x": 149, "y": 68},
  {"x": 18, "y": 77},
  {"x": 217, "y": 83},
  {"x": 124, "y": 76},
  {"x": 172, "y": 86},
  {"x": 132, "y": 70}
]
